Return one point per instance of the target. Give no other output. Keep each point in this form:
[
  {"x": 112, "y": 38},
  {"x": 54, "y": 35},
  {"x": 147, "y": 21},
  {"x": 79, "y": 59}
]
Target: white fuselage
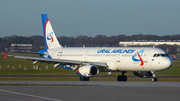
[{"x": 117, "y": 58}]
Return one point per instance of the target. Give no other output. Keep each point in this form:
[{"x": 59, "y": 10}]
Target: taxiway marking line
[{"x": 30, "y": 95}]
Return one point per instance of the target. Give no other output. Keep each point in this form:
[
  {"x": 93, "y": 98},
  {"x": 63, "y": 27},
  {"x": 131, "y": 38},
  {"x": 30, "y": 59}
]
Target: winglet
[
  {"x": 174, "y": 56},
  {"x": 5, "y": 55}
]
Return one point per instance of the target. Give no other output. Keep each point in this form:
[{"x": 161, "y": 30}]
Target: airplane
[{"x": 89, "y": 61}]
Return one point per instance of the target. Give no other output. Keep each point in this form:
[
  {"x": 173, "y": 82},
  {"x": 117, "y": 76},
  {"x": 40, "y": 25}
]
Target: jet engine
[
  {"x": 88, "y": 70},
  {"x": 143, "y": 74}
]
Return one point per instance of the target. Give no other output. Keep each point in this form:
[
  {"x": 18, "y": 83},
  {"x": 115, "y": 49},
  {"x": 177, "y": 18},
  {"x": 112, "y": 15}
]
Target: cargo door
[{"x": 118, "y": 57}]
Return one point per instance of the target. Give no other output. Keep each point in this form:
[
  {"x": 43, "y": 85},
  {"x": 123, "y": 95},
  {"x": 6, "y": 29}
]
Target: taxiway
[{"x": 89, "y": 91}]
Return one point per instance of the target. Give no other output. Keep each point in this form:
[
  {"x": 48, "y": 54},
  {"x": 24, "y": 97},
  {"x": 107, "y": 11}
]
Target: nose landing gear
[{"x": 154, "y": 78}]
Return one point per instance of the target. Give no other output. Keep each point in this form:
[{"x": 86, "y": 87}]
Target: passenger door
[{"x": 145, "y": 56}]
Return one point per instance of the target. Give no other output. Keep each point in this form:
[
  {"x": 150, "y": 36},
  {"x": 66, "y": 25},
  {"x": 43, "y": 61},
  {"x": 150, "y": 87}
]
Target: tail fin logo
[{"x": 50, "y": 37}]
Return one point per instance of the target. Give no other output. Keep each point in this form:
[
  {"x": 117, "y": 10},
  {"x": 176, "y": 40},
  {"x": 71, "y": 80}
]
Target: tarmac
[{"x": 89, "y": 91}]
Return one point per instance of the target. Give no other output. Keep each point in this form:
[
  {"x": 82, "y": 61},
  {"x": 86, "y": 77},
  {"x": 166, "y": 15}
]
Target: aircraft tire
[
  {"x": 80, "y": 78},
  {"x": 122, "y": 78},
  {"x": 87, "y": 78},
  {"x": 155, "y": 79},
  {"x": 119, "y": 78}
]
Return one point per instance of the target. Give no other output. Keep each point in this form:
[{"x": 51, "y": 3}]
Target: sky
[{"x": 90, "y": 17}]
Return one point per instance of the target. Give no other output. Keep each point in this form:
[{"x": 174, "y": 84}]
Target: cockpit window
[
  {"x": 163, "y": 55},
  {"x": 160, "y": 55}
]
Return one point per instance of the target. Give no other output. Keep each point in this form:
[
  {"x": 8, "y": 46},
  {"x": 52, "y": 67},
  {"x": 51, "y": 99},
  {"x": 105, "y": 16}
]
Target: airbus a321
[{"x": 89, "y": 61}]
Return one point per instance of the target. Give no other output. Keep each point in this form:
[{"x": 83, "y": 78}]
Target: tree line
[{"x": 78, "y": 41}]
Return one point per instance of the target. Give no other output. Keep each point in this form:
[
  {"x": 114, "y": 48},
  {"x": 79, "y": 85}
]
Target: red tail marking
[
  {"x": 5, "y": 55},
  {"x": 142, "y": 63},
  {"x": 51, "y": 38}
]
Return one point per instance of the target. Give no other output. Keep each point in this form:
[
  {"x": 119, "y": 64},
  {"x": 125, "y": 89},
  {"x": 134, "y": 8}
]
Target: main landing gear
[
  {"x": 83, "y": 78},
  {"x": 154, "y": 78},
  {"x": 122, "y": 77}
]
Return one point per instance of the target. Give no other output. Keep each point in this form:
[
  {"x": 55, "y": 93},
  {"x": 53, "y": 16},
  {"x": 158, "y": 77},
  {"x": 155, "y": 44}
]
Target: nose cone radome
[{"x": 168, "y": 63}]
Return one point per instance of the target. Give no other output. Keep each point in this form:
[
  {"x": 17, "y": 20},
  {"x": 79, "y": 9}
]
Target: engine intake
[{"x": 88, "y": 70}]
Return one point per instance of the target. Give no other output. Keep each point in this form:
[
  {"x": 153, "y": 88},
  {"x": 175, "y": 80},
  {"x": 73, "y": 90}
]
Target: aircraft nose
[{"x": 168, "y": 63}]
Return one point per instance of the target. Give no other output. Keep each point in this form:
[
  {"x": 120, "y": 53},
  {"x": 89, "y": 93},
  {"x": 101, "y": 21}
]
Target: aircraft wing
[{"x": 62, "y": 61}]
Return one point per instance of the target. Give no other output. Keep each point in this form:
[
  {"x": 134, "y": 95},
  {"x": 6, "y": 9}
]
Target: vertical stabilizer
[{"x": 50, "y": 39}]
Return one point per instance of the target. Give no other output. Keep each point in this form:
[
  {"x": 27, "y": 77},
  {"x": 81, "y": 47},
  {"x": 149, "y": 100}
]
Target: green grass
[{"x": 11, "y": 66}]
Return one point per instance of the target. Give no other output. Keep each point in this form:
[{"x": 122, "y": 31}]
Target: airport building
[
  {"x": 149, "y": 42},
  {"x": 20, "y": 47},
  {"x": 174, "y": 45}
]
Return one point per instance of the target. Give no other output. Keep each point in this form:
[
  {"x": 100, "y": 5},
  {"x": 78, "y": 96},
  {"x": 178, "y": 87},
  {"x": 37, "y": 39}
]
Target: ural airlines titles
[{"x": 116, "y": 51}]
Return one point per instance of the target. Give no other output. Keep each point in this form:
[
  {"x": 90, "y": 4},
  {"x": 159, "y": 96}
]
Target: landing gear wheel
[
  {"x": 119, "y": 78},
  {"x": 122, "y": 78},
  {"x": 155, "y": 79},
  {"x": 83, "y": 78}
]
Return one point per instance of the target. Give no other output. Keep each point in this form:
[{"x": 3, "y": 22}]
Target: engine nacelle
[
  {"x": 143, "y": 74},
  {"x": 88, "y": 70}
]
